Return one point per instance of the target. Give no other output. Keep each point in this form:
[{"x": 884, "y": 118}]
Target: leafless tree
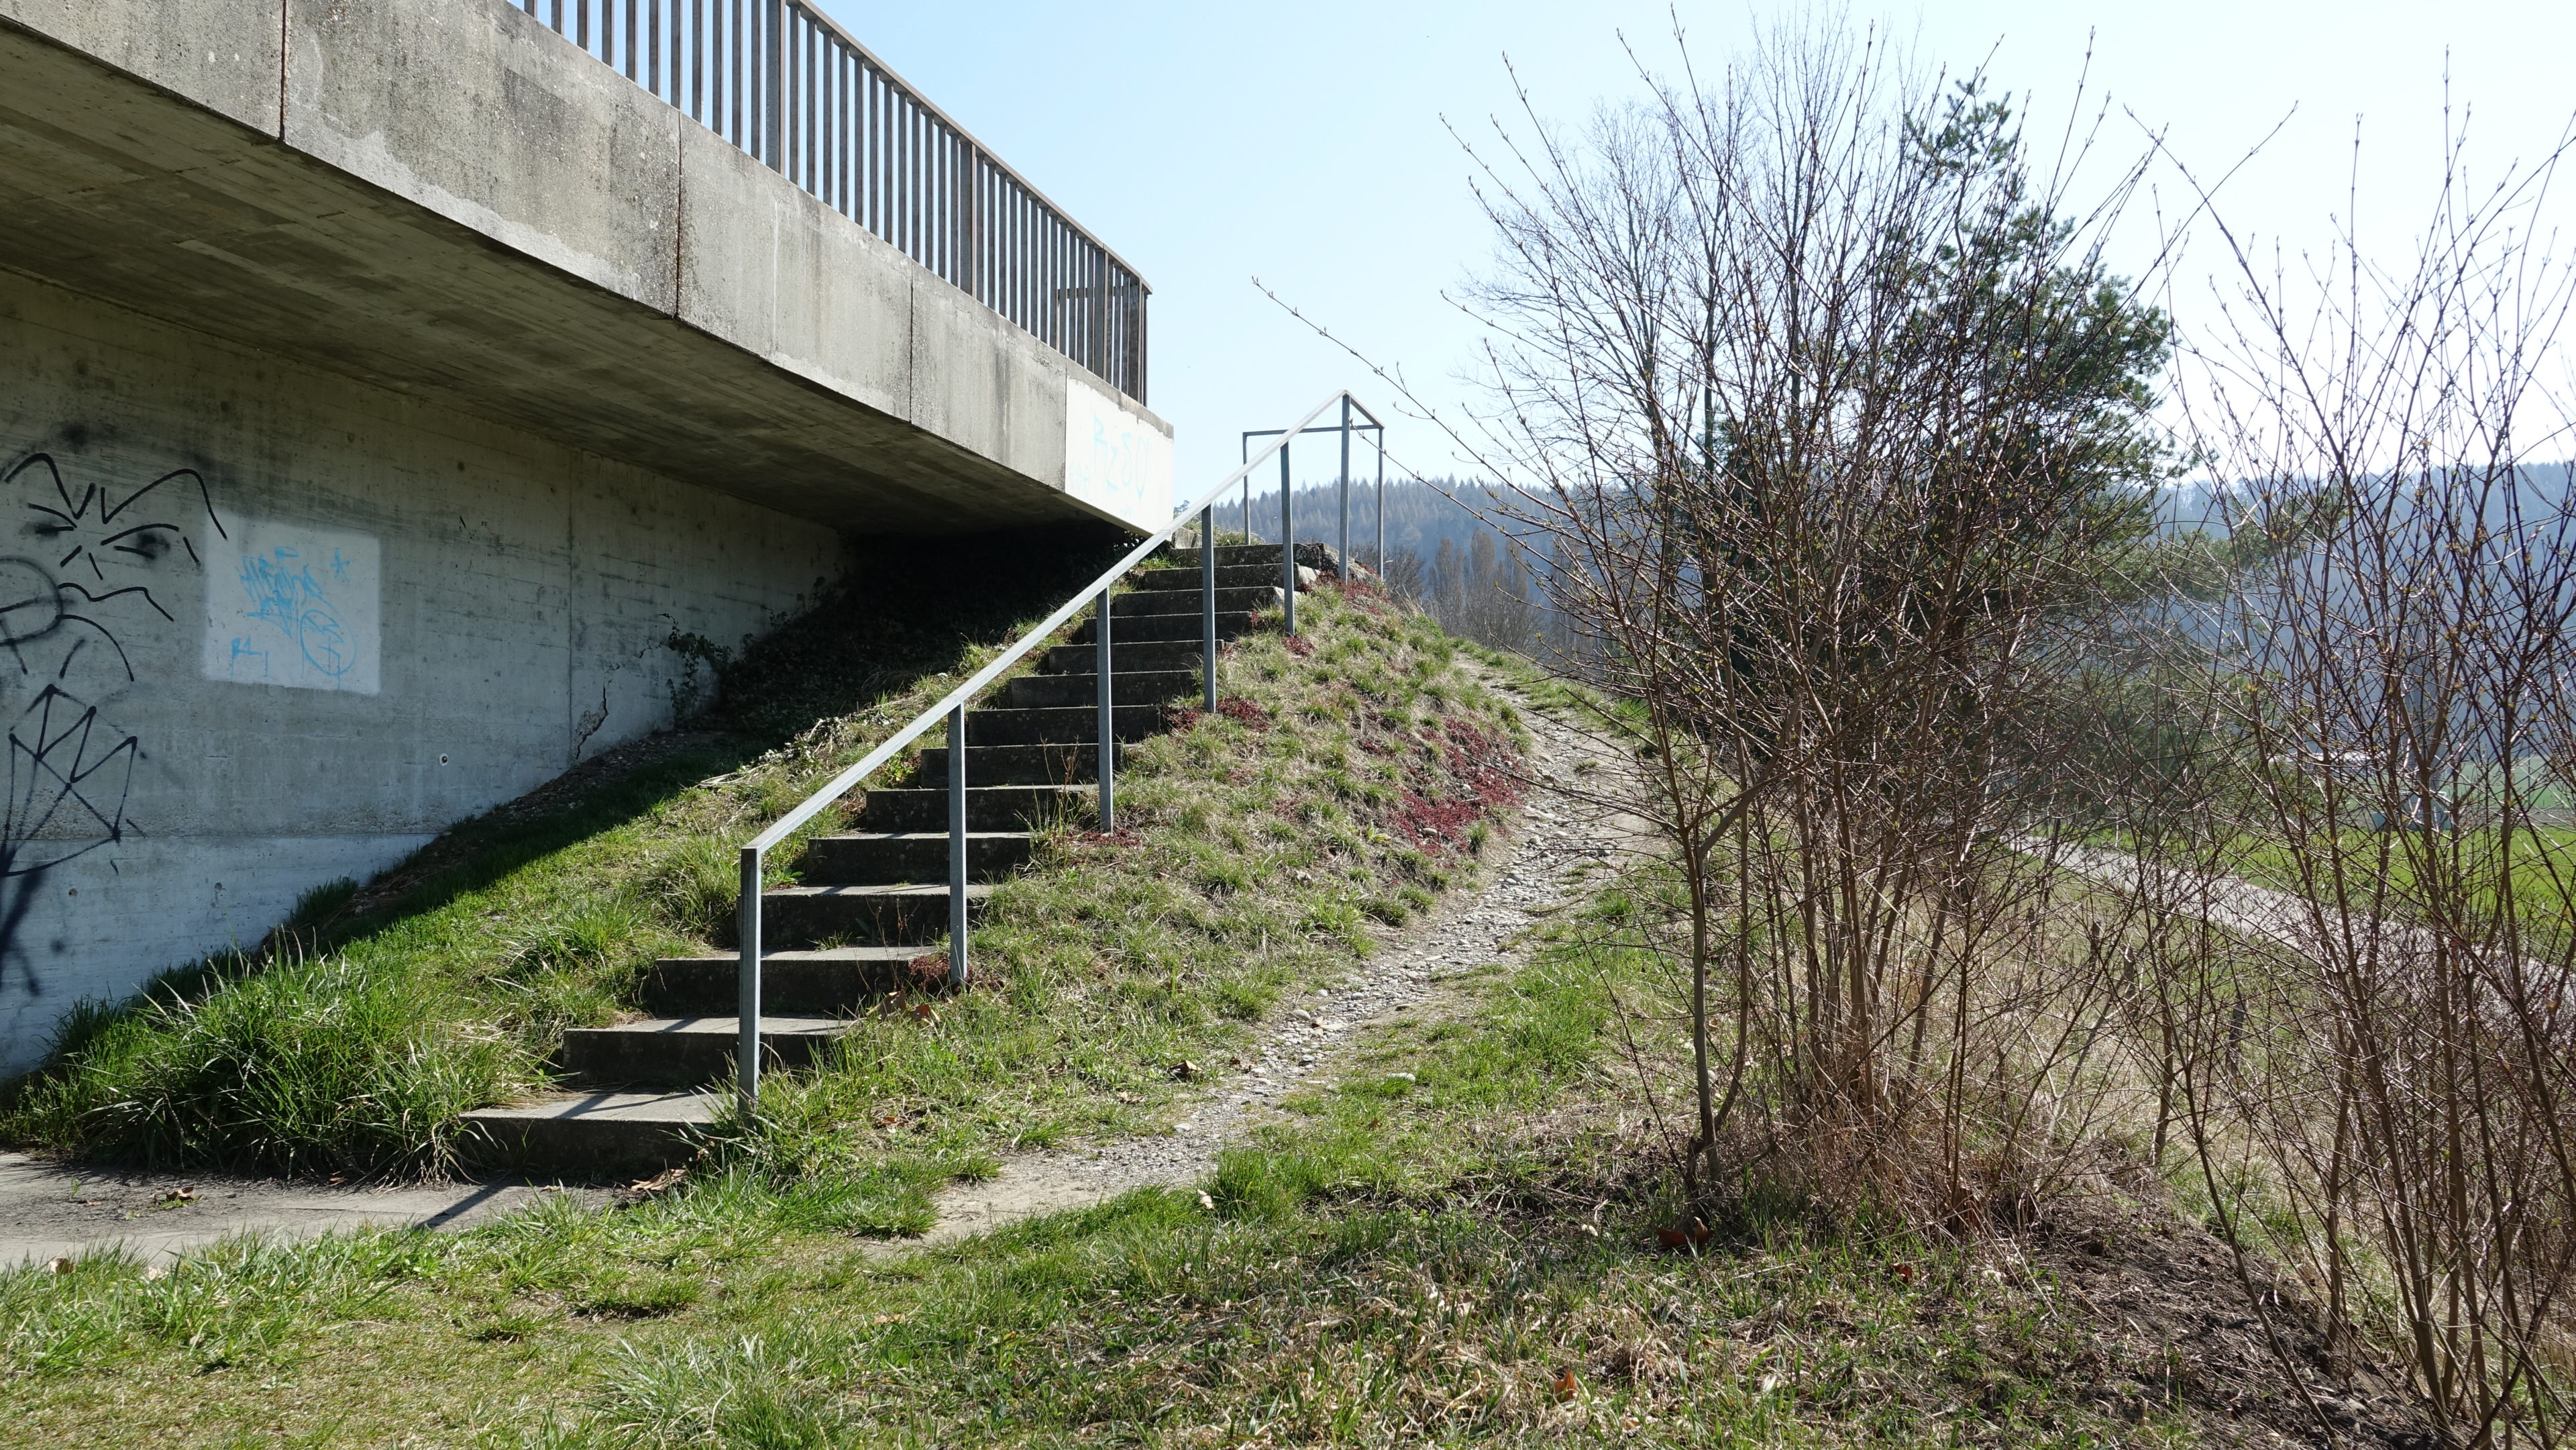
[
  {"x": 2385, "y": 1020},
  {"x": 1827, "y": 420}
]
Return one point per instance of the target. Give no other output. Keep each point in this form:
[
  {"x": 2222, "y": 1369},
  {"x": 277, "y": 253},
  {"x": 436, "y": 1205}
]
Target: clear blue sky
[{"x": 1304, "y": 144}]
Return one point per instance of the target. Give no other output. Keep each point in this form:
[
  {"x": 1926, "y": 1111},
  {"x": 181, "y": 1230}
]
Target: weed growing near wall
[{"x": 1343, "y": 784}]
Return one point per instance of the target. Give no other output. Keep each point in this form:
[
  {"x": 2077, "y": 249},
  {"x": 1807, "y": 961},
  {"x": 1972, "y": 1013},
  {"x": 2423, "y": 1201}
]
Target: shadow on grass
[{"x": 185, "y": 1069}]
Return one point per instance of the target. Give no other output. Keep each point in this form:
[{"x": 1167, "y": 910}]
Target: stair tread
[
  {"x": 1074, "y": 788},
  {"x": 895, "y": 888},
  {"x": 721, "y": 1027},
  {"x": 925, "y": 835},
  {"x": 983, "y": 711},
  {"x": 810, "y": 954},
  {"x": 686, "y": 1106}
]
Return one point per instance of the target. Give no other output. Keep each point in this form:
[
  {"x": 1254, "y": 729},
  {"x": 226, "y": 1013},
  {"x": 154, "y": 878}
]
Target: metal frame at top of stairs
[{"x": 952, "y": 709}]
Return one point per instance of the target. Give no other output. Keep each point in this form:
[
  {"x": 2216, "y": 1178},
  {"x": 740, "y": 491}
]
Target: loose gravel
[{"x": 1533, "y": 869}]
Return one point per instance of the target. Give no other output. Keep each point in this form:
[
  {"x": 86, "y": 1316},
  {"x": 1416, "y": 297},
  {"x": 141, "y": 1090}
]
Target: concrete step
[
  {"x": 1152, "y": 628},
  {"x": 681, "y": 1051},
  {"x": 1228, "y": 576},
  {"x": 863, "y": 858},
  {"x": 600, "y": 1132},
  {"x": 1130, "y": 685},
  {"x": 1244, "y": 600},
  {"x": 1313, "y": 553},
  {"x": 1060, "y": 724},
  {"x": 832, "y": 982},
  {"x": 1063, "y": 764},
  {"x": 813, "y": 916},
  {"x": 1151, "y": 656},
  {"x": 988, "y": 807}
]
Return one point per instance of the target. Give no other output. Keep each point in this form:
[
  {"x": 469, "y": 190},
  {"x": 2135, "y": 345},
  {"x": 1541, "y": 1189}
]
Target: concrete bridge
[{"x": 383, "y": 383}]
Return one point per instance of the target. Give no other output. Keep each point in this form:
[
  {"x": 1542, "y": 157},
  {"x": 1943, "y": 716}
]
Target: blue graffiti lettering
[{"x": 285, "y": 596}]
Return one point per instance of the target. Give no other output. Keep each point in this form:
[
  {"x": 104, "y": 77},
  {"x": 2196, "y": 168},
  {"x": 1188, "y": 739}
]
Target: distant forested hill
[{"x": 1439, "y": 554}]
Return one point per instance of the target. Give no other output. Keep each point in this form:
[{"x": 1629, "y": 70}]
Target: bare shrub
[
  {"x": 1829, "y": 425},
  {"x": 2376, "y": 1016}
]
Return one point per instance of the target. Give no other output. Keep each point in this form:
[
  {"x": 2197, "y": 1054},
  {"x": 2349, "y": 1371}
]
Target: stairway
[{"x": 871, "y": 901}]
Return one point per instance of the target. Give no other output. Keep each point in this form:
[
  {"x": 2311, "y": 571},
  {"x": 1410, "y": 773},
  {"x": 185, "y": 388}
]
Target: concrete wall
[
  {"x": 266, "y": 627},
  {"x": 381, "y": 382}
]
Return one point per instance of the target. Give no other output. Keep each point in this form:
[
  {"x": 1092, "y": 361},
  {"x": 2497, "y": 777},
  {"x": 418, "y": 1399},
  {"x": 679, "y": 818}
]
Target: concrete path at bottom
[{"x": 49, "y": 1212}]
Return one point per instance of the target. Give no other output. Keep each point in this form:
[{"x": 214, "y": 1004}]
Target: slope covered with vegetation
[{"x": 1342, "y": 783}]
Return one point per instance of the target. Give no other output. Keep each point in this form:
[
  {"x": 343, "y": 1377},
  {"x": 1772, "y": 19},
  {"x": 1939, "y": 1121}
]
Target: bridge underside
[{"x": 445, "y": 202}]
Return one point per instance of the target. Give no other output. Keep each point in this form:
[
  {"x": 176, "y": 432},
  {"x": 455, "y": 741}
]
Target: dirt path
[
  {"x": 48, "y": 1211},
  {"x": 1535, "y": 869}
]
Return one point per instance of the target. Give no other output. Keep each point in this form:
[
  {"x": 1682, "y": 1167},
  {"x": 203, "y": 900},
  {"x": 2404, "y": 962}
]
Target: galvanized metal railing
[
  {"x": 1287, "y": 488},
  {"x": 780, "y": 80},
  {"x": 952, "y": 709}
]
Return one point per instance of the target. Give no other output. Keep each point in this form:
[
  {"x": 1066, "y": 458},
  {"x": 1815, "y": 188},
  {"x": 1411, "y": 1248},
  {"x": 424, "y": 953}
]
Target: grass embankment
[
  {"x": 1456, "y": 1245},
  {"x": 2397, "y": 872},
  {"x": 1345, "y": 782}
]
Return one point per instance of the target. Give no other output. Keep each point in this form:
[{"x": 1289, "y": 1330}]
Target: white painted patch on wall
[
  {"x": 293, "y": 605},
  {"x": 1115, "y": 461}
]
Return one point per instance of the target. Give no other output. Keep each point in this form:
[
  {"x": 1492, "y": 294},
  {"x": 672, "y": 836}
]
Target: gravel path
[
  {"x": 49, "y": 1211},
  {"x": 1414, "y": 976}
]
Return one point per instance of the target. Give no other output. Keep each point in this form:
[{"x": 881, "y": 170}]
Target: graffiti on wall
[
  {"x": 82, "y": 571},
  {"x": 292, "y": 605}
]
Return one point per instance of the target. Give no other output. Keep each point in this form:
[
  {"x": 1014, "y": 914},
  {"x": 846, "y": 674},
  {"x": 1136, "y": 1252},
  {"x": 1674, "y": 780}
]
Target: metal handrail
[
  {"x": 1287, "y": 509},
  {"x": 952, "y": 708},
  {"x": 780, "y": 80}
]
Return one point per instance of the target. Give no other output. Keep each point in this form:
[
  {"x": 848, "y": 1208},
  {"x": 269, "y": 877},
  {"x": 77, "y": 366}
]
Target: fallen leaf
[
  {"x": 1904, "y": 1273},
  {"x": 1567, "y": 1386},
  {"x": 58, "y": 1266},
  {"x": 1185, "y": 1070},
  {"x": 924, "y": 1013},
  {"x": 662, "y": 1182}
]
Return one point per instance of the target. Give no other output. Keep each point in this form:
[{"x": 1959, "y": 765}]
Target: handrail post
[
  {"x": 1287, "y": 538},
  {"x": 1342, "y": 538},
  {"x": 1108, "y": 769},
  {"x": 1207, "y": 604},
  {"x": 957, "y": 849},
  {"x": 1381, "y": 505},
  {"x": 746, "y": 1061}
]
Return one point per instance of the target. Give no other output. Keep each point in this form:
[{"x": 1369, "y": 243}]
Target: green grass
[
  {"x": 2396, "y": 868},
  {"x": 1256, "y": 852},
  {"x": 1255, "y": 855},
  {"x": 1453, "y": 1246}
]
